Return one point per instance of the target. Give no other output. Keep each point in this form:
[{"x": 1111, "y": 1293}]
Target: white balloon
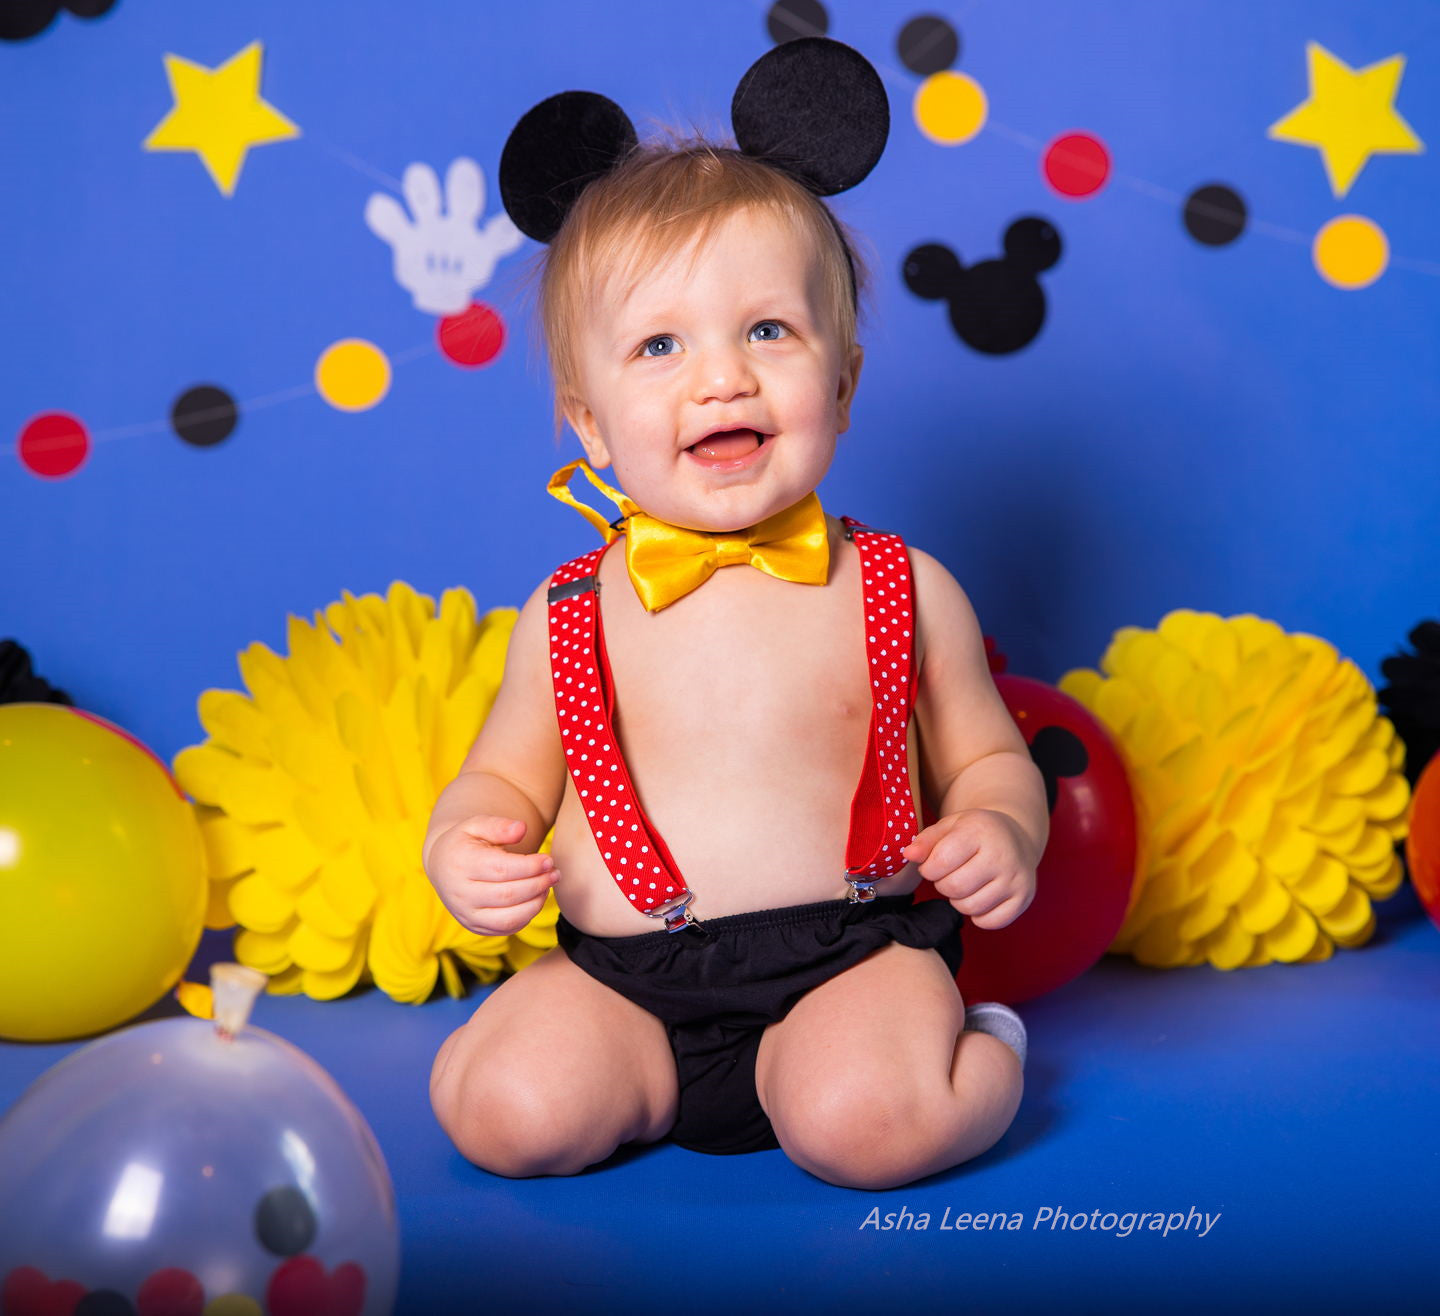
[{"x": 176, "y": 1144}]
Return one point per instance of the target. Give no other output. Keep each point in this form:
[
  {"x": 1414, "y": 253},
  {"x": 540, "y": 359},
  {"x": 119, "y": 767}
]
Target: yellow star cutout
[
  {"x": 219, "y": 114},
  {"x": 1350, "y": 115}
]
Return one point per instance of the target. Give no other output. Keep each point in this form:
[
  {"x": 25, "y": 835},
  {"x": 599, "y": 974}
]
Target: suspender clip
[
  {"x": 676, "y": 913},
  {"x": 862, "y": 889}
]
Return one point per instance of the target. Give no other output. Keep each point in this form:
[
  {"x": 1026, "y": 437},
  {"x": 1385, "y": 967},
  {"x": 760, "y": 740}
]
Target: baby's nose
[{"x": 724, "y": 373}]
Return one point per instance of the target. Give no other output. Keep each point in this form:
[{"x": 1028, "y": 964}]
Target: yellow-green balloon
[{"x": 102, "y": 874}]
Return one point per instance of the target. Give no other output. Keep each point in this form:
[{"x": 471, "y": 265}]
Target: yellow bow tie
[{"x": 667, "y": 561}]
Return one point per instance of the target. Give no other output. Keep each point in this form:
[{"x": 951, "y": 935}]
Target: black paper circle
[
  {"x": 204, "y": 415},
  {"x": 557, "y": 148},
  {"x": 788, "y": 19},
  {"x": 815, "y": 108},
  {"x": 1214, "y": 215},
  {"x": 927, "y": 45}
]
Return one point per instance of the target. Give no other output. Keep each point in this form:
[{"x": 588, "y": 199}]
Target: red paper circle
[
  {"x": 53, "y": 444},
  {"x": 472, "y": 338},
  {"x": 1076, "y": 164}
]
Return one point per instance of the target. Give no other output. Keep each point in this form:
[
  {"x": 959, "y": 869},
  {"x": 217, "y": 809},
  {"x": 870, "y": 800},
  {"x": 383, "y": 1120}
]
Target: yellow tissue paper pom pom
[
  {"x": 314, "y": 794},
  {"x": 1270, "y": 790}
]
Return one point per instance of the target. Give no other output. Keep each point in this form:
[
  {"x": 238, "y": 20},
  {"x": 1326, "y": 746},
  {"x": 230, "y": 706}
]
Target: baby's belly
[{"x": 741, "y": 841}]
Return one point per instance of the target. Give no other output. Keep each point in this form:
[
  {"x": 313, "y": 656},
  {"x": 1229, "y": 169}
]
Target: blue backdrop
[
  {"x": 1194, "y": 424},
  {"x": 1229, "y": 403}
]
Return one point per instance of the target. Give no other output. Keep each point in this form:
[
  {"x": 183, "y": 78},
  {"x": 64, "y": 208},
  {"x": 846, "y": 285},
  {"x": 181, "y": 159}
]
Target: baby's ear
[
  {"x": 849, "y": 379},
  {"x": 587, "y": 430}
]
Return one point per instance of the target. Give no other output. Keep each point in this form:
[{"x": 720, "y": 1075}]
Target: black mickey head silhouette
[{"x": 996, "y": 306}]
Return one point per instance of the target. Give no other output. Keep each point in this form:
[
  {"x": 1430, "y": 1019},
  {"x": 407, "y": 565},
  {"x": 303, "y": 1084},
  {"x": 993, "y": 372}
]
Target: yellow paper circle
[
  {"x": 352, "y": 375},
  {"x": 1351, "y": 251},
  {"x": 950, "y": 108}
]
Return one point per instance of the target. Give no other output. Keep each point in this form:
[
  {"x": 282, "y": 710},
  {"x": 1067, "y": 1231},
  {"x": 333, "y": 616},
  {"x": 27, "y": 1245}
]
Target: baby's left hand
[{"x": 979, "y": 860}]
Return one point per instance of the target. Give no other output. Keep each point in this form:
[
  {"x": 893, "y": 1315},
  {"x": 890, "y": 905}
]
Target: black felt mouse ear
[
  {"x": 815, "y": 108},
  {"x": 559, "y": 146}
]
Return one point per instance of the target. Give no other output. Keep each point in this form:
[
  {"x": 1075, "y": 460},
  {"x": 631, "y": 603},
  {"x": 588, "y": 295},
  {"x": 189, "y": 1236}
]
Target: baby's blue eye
[{"x": 780, "y": 331}]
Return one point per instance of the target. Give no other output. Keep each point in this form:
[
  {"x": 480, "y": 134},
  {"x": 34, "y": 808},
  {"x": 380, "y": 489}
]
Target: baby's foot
[{"x": 999, "y": 1021}]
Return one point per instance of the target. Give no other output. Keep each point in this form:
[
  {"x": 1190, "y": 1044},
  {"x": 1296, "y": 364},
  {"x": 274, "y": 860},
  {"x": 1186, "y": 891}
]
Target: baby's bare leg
[
  {"x": 870, "y": 1082},
  {"x": 552, "y": 1073}
]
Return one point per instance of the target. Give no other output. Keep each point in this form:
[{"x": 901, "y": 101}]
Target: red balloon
[
  {"x": 1422, "y": 845},
  {"x": 1086, "y": 879}
]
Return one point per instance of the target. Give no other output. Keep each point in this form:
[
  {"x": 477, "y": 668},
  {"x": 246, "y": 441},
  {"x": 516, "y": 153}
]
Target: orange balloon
[{"x": 1422, "y": 845}]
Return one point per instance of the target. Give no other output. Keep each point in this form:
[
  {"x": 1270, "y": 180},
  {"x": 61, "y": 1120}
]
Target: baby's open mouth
[{"x": 728, "y": 444}]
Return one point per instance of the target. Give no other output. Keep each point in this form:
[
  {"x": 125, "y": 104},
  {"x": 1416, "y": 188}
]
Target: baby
[{"x": 730, "y": 727}]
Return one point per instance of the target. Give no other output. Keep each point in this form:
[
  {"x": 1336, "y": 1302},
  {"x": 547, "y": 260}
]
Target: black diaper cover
[{"x": 716, "y": 985}]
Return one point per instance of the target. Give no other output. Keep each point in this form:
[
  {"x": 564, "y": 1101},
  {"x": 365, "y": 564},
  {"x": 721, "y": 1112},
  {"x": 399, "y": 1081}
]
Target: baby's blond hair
[{"x": 659, "y": 197}]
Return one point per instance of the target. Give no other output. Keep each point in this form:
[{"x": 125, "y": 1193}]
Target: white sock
[{"x": 999, "y": 1021}]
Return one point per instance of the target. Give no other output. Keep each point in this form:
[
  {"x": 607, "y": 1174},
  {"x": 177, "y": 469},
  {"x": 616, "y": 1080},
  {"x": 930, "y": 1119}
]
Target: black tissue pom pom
[
  {"x": 1411, "y": 700},
  {"x": 19, "y": 685}
]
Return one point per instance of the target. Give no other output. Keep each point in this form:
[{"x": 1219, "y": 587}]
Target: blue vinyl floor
[{"x": 1295, "y": 1106}]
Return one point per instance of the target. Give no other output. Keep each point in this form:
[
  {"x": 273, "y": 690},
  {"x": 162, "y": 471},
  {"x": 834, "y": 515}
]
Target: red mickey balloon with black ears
[{"x": 1086, "y": 879}]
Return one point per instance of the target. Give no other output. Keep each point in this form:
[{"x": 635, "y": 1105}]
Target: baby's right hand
[{"x": 487, "y": 888}]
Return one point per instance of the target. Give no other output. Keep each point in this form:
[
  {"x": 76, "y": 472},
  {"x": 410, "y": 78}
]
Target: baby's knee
[
  {"x": 859, "y": 1138},
  {"x": 501, "y": 1123},
  {"x": 518, "y": 1150}
]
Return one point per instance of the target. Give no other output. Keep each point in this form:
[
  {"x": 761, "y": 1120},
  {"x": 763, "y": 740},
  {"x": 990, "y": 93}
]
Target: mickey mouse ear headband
[{"x": 812, "y": 107}]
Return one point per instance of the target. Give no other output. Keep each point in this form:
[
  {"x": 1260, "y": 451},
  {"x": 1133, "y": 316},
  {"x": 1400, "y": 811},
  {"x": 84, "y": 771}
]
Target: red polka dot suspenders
[{"x": 882, "y": 812}]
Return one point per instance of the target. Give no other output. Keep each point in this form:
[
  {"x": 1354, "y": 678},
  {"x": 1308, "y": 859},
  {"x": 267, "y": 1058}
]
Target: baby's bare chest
[{"x": 744, "y": 665}]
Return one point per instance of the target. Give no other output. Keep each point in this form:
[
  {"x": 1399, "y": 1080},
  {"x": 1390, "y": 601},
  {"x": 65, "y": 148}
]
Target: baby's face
[{"x": 741, "y": 340}]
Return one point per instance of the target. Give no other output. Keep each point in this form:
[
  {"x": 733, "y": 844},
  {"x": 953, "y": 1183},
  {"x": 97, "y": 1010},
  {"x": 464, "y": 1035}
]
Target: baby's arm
[
  {"x": 479, "y": 850},
  {"x": 994, "y": 821}
]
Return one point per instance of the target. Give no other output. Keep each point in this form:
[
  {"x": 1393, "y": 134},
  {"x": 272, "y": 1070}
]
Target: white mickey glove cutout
[{"x": 442, "y": 259}]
